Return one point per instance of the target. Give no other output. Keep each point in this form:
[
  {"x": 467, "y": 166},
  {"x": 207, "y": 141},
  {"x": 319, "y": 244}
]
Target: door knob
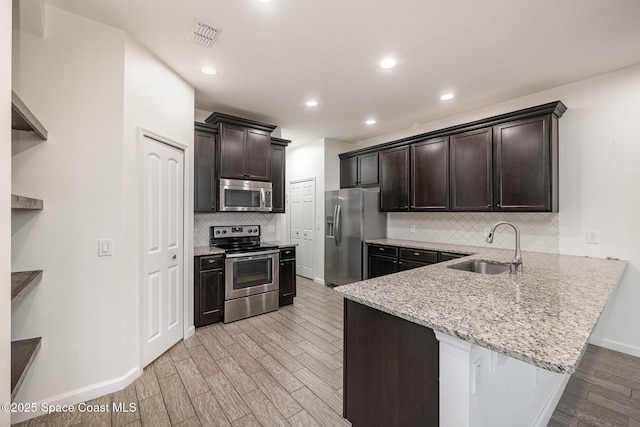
[{"x": 174, "y": 257}]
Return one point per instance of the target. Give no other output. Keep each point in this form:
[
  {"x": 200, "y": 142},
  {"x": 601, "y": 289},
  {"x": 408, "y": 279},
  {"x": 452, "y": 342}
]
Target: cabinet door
[
  {"x": 209, "y": 297},
  {"x": 381, "y": 266},
  {"x": 522, "y": 171},
  {"x": 204, "y": 180},
  {"x": 394, "y": 179},
  {"x": 277, "y": 173},
  {"x": 349, "y": 172},
  {"x": 471, "y": 176},
  {"x": 232, "y": 150},
  {"x": 430, "y": 175},
  {"x": 257, "y": 154},
  {"x": 368, "y": 170},
  {"x": 287, "y": 281}
]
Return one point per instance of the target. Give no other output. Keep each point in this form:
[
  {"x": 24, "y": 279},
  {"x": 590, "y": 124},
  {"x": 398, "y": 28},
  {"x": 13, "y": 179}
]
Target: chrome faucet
[{"x": 516, "y": 262}]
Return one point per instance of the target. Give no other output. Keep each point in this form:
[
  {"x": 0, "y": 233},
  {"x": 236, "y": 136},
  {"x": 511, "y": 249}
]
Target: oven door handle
[{"x": 253, "y": 254}]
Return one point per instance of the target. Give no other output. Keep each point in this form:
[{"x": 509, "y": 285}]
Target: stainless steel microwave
[{"x": 237, "y": 195}]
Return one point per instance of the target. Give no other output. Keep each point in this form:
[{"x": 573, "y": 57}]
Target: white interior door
[
  {"x": 162, "y": 241},
  {"x": 302, "y": 224}
]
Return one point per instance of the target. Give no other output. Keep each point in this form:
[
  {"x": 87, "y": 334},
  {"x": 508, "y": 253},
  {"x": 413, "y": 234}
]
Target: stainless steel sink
[{"x": 481, "y": 267}]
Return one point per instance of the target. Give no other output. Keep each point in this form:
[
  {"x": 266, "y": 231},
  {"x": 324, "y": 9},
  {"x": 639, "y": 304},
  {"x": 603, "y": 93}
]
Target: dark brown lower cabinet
[
  {"x": 381, "y": 265},
  {"x": 391, "y": 369},
  {"x": 208, "y": 293},
  {"x": 287, "y": 275}
]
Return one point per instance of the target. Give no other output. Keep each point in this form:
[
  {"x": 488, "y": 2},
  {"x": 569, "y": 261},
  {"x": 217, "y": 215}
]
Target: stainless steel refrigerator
[{"x": 352, "y": 215}]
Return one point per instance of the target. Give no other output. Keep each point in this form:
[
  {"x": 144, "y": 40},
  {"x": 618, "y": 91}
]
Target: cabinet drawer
[
  {"x": 287, "y": 253},
  {"x": 429, "y": 257},
  {"x": 211, "y": 262},
  {"x": 383, "y": 250}
]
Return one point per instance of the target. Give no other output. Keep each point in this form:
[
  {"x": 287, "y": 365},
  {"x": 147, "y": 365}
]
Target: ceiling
[{"x": 273, "y": 57}]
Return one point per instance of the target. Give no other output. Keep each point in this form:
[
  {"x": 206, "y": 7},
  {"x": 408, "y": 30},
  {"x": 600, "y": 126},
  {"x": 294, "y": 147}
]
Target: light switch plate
[
  {"x": 105, "y": 247},
  {"x": 592, "y": 237}
]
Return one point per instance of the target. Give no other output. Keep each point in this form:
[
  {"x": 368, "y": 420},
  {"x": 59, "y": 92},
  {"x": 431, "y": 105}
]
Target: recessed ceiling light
[
  {"x": 209, "y": 71},
  {"x": 311, "y": 103},
  {"x": 388, "y": 63},
  {"x": 370, "y": 122},
  {"x": 447, "y": 96},
  {"x": 265, "y": 1}
]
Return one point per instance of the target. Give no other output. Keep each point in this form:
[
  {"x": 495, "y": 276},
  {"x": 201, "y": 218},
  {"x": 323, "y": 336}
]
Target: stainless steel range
[{"x": 251, "y": 271}]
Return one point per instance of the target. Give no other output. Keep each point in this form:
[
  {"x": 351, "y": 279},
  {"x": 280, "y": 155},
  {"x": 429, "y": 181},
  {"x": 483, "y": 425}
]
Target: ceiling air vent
[{"x": 203, "y": 34}]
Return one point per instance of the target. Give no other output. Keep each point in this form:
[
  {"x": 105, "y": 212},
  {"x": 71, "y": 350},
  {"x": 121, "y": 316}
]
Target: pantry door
[
  {"x": 302, "y": 221},
  {"x": 162, "y": 245}
]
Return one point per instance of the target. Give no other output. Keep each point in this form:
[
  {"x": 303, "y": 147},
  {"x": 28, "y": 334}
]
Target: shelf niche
[
  {"x": 26, "y": 203},
  {"x": 22, "y": 354},
  {"x": 23, "y": 119},
  {"x": 22, "y": 283}
]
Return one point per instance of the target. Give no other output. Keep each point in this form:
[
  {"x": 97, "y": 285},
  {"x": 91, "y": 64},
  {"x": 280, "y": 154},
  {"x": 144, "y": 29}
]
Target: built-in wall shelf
[
  {"x": 22, "y": 354},
  {"x": 22, "y": 283},
  {"x": 23, "y": 119},
  {"x": 21, "y": 202}
]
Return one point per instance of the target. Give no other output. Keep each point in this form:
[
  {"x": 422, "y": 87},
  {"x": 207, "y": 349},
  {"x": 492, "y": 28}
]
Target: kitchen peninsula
[{"x": 499, "y": 349}]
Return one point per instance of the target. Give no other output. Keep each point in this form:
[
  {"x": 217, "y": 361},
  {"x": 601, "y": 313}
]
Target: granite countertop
[
  {"x": 543, "y": 316},
  {"x": 207, "y": 250}
]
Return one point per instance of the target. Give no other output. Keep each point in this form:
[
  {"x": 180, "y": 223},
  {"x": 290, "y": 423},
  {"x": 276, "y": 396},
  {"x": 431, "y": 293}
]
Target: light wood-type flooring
[{"x": 285, "y": 368}]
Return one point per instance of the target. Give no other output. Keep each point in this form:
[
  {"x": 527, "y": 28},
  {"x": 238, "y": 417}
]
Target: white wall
[
  {"x": 599, "y": 147},
  {"x": 157, "y": 100},
  {"x": 91, "y": 87},
  {"x": 5, "y": 207}
]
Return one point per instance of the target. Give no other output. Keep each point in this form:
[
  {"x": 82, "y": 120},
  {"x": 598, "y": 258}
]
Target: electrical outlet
[
  {"x": 271, "y": 228},
  {"x": 412, "y": 228},
  {"x": 592, "y": 237},
  {"x": 105, "y": 247}
]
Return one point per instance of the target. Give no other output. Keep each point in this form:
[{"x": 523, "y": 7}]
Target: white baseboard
[
  {"x": 615, "y": 345},
  {"x": 80, "y": 395},
  {"x": 547, "y": 412},
  {"x": 319, "y": 281}
]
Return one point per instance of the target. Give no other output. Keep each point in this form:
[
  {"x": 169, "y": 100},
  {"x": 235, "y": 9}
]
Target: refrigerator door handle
[{"x": 338, "y": 231}]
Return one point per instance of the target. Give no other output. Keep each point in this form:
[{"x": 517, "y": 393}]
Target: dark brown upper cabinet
[
  {"x": 471, "y": 171},
  {"x": 430, "y": 175},
  {"x": 501, "y": 163},
  {"x": 277, "y": 173},
  {"x": 394, "y": 179},
  {"x": 205, "y": 171},
  {"x": 359, "y": 171},
  {"x": 522, "y": 165},
  {"x": 244, "y": 147}
]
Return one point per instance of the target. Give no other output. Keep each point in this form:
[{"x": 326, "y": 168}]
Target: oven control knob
[
  {"x": 224, "y": 231},
  {"x": 217, "y": 231},
  {"x": 251, "y": 230}
]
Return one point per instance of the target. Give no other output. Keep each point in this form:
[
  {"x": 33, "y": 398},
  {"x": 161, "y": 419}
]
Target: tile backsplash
[
  {"x": 202, "y": 222},
  {"x": 539, "y": 231}
]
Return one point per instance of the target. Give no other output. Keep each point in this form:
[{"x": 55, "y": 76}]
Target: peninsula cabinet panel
[
  {"x": 394, "y": 179},
  {"x": 205, "y": 177},
  {"x": 430, "y": 175},
  {"x": 471, "y": 171},
  {"x": 349, "y": 172},
  {"x": 522, "y": 165},
  {"x": 391, "y": 369}
]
